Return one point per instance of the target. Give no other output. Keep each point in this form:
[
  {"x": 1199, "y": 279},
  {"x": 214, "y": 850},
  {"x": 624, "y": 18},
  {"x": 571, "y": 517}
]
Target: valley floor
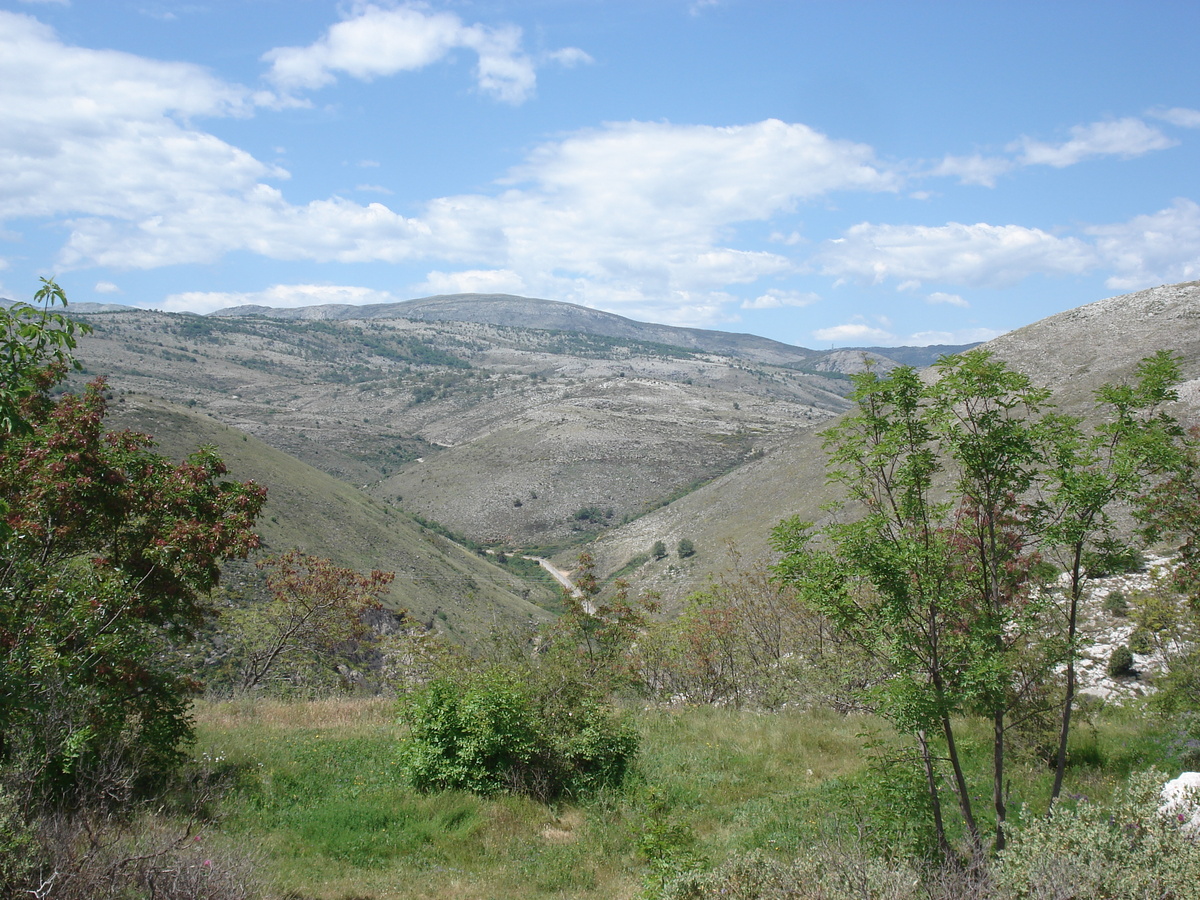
[{"x": 315, "y": 790}]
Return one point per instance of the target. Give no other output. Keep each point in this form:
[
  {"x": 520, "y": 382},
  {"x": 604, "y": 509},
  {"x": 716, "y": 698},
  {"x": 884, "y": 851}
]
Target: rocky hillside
[
  {"x": 1073, "y": 353},
  {"x": 506, "y": 434},
  {"x": 572, "y": 428}
]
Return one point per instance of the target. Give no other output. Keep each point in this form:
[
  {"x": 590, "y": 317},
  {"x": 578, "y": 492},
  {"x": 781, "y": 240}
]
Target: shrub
[
  {"x": 659, "y": 550},
  {"x": 824, "y": 872},
  {"x": 1141, "y": 641},
  {"x": 489, "y": 733},
  {"x": 1120, "y": 663},
  {"x": 1112, "y": 557},
  {"x": 1121, "y": 850},
  {"x": 1115, "y": 604},
  {"x": 686, "y": 548},
  {"x": 17, "y": 848}
]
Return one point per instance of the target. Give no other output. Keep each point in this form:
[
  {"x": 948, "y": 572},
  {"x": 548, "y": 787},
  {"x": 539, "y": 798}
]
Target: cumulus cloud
[
  {"x": 1126, "y": 138},
  {"x": 258, "y": 220},
  {"x": 959, "y": 336},
  {"x": 643, "y": 210},
  {"x": 1178, "y": 115},
  {"x": 1159, "y": 248},
  {"x": 379, "y": 40},
  {"x": 640, "y": 215},
  {"x": 102, "y": 133},
  {"x": 977, "y": 255},
  {"x": 857, "y": 332},
  {"x": 950, "y": 299},
  {"x": 106, "y": 287},
  {"x": 775, "y": 299},
  {"x": 569, "y": 57},
  {"x": 279, "y": 296},
  {"x": 977, "y": 169},
  {"x": 473, "y": 281}
]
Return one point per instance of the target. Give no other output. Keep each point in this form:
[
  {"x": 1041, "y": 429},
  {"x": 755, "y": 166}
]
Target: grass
[{"x": 316, "y": 788}]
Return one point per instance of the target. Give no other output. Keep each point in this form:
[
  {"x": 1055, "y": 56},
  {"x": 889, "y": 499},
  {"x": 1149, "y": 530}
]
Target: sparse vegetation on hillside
[
  {"x": 806, "y": 730},
  {"x": 947, "y": 590}
]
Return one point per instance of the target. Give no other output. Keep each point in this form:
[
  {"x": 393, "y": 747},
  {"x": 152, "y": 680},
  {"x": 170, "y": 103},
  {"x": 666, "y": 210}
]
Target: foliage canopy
[{"x": 107, "y": 553}]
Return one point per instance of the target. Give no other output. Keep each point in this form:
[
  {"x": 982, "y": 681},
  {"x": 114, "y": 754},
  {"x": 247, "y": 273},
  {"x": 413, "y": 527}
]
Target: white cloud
[
  {"x": 775, "y": 298},
  {"x": 379, "y": 40},
  {"x": 101, "y": 133},
  {"x": 951, "y": 299},
  {"x": 636, "y": 215},
  {"x": 1159, "y": 248},
  {"x": 858, "y": 333},
  {"x": 570, "y": 57},
  {"x": 259, "y": 221},
  {"x": 372, "y": 189},
  {"x": 473, "y": 281},
  {"x": 106, "y": 287},
  {"x": 977, "y": 255},
  {"x": 278, "y": 296},
  {"x": 790, "y": 239},
  {"x": 959, "y": 336},
  {"x": 1178, "y": 115},
  {"x": 977, "y": 169},
  {"x": 1127, "y": 138}
]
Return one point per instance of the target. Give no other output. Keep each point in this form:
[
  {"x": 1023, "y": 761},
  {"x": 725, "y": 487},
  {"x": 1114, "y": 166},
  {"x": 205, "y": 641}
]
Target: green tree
[
  {"x": 1086, "y": 475},
  {"x": 107, "y": 556},
  {"x": 659, "y": 550},
  {"x": 35, "y": 347},
  {"x": 313, "y": 622},
  {"x": 686, "y": 548},
  {"x": 942, "y": 585}
]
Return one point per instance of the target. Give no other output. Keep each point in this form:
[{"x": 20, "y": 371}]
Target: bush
[
  {"x": 18, "y": 856},
  {"x": 824, "y": 872},
  {"x": 1122, "y": 850},
  {"x": 659, "y": 550},
  {"x": 490, "y": 733},
  {"x": 686, "y": 548},
  {"x": 1112, "y": 557},
  {"x": 1115, "y": 604},
  {"x": 1141, "y": 641},
  {"x": 1120, "y": 663}
]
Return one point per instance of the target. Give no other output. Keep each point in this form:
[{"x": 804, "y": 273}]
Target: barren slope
[
  {"x": 460, "y": 421},
  {"x": 441, "y": 583},
  {"x": 1073, "y": 353}
]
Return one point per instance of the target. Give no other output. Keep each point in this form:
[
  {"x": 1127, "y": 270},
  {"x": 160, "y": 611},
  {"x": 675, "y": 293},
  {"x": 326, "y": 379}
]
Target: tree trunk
[
  {"x": 1060, "y": 763},
  {"x": 998, "y": 776},
  {"x": 935, "y": 801}
]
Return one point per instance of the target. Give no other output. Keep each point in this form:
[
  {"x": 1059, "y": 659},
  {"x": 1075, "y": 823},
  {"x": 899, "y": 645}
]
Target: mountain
[
  {"x": 535, "y": 425},
  {"x": 437, "y": 580},
  {"x": 545, "y": 315},
  {"x": 555, "y": 315},
  {"x": 506, "y": 434},
  {"x": 1072, "y": 353}
]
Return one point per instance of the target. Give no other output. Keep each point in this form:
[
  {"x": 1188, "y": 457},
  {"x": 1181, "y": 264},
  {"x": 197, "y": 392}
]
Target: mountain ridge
[{"x": 1072, "y": 352}]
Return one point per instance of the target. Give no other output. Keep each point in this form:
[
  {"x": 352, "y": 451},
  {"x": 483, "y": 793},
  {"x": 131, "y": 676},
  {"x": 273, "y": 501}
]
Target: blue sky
[{"x": 823, "y": 173}]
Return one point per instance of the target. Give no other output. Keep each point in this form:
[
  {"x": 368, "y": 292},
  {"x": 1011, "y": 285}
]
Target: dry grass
[{"x": 341, "y": 713}]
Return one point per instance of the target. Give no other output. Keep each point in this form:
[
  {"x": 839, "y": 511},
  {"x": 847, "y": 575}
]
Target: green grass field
[{"x": 317, "y": 794}]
